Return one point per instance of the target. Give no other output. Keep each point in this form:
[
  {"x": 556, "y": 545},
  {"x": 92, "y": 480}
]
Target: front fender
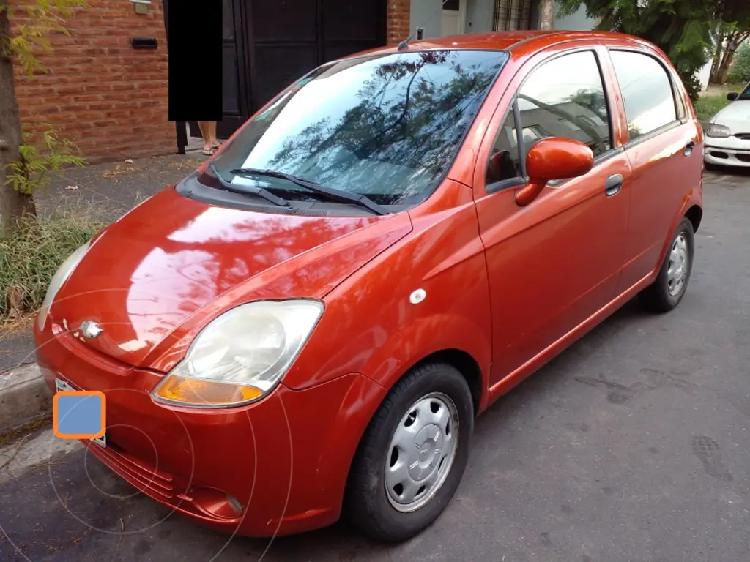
[{"x": 370, "y": 326}]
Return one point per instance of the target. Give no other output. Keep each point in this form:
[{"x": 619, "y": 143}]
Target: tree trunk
[
  {"x": 734, "y": 40},
  {"x": 13, "y": 205},
  {"x": 546, "y": 14},
  {"x": 713, "y": 77}
]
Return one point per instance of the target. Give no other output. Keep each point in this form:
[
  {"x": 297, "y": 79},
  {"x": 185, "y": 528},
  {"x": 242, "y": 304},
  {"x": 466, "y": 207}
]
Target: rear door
[
  {"x": 661, "y": 148},
  {"x": 556, "y": 261}
]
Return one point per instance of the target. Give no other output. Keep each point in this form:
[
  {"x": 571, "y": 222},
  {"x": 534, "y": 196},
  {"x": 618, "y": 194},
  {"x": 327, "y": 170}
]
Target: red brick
[{"x": 95, "y": 85}]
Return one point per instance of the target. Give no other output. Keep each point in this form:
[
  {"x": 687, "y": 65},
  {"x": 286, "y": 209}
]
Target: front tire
[
  {"x": 671, "y": 283},
  {"x": 413, "y": 454}
]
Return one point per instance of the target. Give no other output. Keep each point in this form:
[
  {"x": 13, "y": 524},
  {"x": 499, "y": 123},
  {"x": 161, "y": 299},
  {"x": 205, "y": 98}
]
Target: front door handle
[
  {"x": 613, "y": 185},
  {"x": 689, "y": 148}
]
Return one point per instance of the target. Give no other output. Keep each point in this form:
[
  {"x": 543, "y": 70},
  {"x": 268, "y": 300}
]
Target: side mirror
[
  {"x": 553, "y": 158},
  {"x": 731, "y": 96}
]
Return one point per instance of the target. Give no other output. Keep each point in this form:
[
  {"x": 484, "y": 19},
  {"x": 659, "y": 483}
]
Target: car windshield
[
  {"x": 745, "y": 94},
  {"x": 384, "y": 126}
]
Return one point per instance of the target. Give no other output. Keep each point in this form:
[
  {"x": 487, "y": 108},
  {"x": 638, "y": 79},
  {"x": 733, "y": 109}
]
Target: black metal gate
[{"x": 270, "y": 43}]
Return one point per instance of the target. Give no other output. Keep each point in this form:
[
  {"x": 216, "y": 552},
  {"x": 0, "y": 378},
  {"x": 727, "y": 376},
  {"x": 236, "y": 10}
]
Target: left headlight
[
  {"x": 240, "y": 356},
  {"x": 58, "y": 279},
  {"x": 717, "y": 130}
]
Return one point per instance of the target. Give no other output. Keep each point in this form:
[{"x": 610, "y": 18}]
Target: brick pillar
[{"x": 398, "y": 20}]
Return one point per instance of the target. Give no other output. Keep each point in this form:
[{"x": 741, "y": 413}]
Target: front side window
[
  {"x": 385, "y": 126},
  {"x": 561, "y": 98},
  {"x": 646, "y": 92},
  {"x": 505, "y": 158},
  {"x": 565, "y": 98}
]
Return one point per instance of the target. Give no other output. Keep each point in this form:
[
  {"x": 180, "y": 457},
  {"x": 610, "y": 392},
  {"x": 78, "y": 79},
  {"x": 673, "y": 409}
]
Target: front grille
[
  {"x": 743, "y": 136},
  {"x": 146, "y": 478},
  {"x": 718, "y": 154},
  {"x": 742, "y": 157},
  {"x": 159, "y": 485}
]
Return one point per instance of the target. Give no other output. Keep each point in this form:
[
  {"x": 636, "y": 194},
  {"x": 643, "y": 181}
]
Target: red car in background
[{"x": 310, "y": 322}]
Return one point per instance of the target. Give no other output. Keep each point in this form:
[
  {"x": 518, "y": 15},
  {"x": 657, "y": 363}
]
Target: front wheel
[
  {"x": 413, "y": 454},
  {"x": 670, "y": 285}
]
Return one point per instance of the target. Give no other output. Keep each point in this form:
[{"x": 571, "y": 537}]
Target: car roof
[{"x": 519, "y": 41}]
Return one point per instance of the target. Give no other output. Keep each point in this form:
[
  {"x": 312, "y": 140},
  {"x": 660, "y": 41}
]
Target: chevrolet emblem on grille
[{"x": 90, "y": 329}]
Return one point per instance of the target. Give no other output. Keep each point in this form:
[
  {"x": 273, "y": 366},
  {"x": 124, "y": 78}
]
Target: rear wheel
[
  {"x": 412, "y": 455},
  {"x": 671, "y": 283}
]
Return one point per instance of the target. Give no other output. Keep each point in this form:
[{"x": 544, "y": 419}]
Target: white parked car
[{"x": 727, "y": 139}]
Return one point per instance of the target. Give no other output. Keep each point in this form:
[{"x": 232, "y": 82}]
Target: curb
[{"x": 24, "y": 396}]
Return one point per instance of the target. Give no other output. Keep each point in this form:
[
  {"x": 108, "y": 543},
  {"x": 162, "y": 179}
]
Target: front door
[
  {"x": 453, "y": 17},
  {"x": 556, "y": 261}
]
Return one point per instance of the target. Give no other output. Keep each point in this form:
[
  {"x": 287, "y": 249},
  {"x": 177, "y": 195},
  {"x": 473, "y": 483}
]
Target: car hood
[
  {"x": 736, "y": 116},
  {"x": 172, "y": 264}
]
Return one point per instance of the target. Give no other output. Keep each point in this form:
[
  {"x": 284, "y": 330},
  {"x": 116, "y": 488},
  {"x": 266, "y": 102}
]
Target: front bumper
[
  {"x": 275, "y": 467},
  {"x": 729, "y": 151}
]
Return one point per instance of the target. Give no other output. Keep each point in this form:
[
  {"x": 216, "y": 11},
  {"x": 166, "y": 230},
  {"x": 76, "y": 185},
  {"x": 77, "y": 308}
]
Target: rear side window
[{"x": 646, "y": 91}]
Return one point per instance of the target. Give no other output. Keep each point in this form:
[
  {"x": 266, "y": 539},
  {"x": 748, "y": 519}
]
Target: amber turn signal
[{"x": 199, "y": 392}]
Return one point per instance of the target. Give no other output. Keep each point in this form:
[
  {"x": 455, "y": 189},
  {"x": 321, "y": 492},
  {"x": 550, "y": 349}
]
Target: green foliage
[
  {"x": 708, "y": 106},
  {"x": 43, "y": 18},
  {"x": 678, "y": 27},
  {"x": 30, "y": 257},
  {"x": 740, "y": 71},
  {"x": 38, "y": 159}
]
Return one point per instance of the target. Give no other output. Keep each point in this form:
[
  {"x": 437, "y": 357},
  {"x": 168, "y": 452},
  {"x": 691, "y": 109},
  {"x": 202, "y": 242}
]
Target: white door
[{"x": 454, "y": 17}]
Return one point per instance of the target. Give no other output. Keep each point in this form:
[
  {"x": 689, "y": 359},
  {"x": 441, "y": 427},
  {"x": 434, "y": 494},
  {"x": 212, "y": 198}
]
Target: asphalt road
[{"x": 630, "y": 446}]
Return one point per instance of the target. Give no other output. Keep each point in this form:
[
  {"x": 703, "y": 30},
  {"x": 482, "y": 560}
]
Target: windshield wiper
[
  {"x": 252, "y": 189},
  {"x": 330, "y": 192}
]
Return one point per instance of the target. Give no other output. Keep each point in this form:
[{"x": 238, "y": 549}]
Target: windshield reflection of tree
[
  {"x": 400, "y": 134},
  {"x": 582, "y": 116}
]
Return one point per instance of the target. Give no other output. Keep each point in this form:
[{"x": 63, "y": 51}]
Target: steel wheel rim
[
  {"x": 678, "y": 265},
  {"x": 421, "y": 452}
]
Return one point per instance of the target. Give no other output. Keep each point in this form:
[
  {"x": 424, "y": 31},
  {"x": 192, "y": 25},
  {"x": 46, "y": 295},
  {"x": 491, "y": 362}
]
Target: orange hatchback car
[{"x": 309, "y": 324}]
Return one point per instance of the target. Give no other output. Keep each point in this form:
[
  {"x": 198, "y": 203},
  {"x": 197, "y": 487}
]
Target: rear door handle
[
  {"x": 689, "y": 148},
  {"x": 613, "y": 185}
]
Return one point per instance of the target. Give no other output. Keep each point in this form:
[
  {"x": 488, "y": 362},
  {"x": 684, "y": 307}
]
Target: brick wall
[
  {"x": 98, "y": 91},
  {"x": 398, "y": 20}
]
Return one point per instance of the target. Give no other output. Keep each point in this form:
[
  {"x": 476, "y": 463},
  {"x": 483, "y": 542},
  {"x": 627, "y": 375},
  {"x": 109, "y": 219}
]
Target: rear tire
[
  {"x": 413, "y": 454},
  {"x": 667, "y": 291}
]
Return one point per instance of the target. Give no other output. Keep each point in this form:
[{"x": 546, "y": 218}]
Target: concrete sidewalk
[
  {"x": 109, "y": 190},
  {"x": 24, "y": 397}
]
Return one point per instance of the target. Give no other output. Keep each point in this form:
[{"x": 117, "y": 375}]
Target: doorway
[
  {"x": 453, "y": 20},
  {"x": 270, "y": 43}
]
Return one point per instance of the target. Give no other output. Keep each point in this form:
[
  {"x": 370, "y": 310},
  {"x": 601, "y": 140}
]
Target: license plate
[{"x": 62, "y": 385}]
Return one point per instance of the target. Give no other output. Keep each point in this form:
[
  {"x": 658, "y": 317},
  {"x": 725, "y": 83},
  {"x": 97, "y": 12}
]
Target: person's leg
[
  {"x": 205, "y": 127},
  {"x": 212, "y": 129}
]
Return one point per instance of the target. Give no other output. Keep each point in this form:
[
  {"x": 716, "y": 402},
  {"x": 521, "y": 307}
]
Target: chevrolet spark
[{"x": 308, "y": 324}]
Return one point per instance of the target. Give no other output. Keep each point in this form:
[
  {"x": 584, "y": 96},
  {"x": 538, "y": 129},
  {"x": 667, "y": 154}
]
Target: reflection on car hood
[
  {"x": 173, "y": 263},
  {"x": 736, "y": 116}
]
